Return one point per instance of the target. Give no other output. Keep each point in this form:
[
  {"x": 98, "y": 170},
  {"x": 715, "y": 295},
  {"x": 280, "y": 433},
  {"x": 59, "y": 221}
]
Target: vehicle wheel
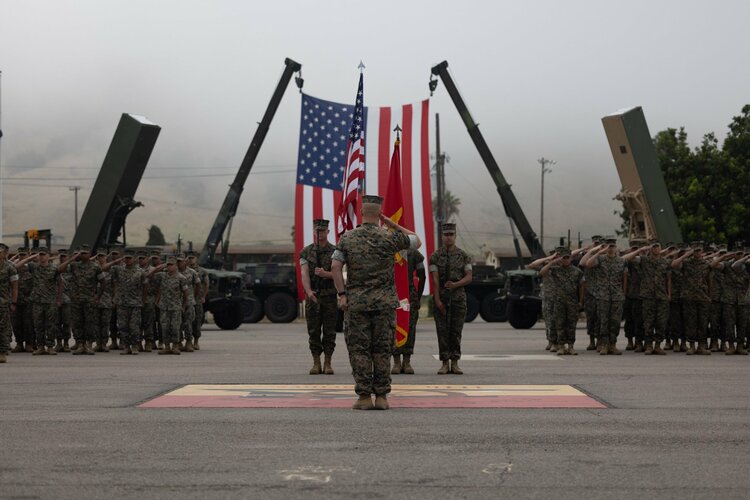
[
  {"x": 494, "y": 308},
  {"x": 229, "y": 317},
  {"x": 252, "y": 310},
  {"x": 522, "y": 315},
  {"x": 472, "y": 308},
  {"x": 281, "y": 308}
]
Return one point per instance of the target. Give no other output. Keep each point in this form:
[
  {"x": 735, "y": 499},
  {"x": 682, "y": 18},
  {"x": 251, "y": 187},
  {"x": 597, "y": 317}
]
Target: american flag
[
  {"x": 321, "y": 165},
  {"x": 346, "y": 213}
]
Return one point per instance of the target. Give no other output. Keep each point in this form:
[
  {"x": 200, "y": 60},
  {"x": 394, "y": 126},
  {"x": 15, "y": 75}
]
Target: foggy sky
[{"x": 537, "y": 77}]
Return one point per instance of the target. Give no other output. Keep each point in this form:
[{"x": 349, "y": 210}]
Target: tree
[
  {"x": 451, "y": 204},
  {"x": 155, "y": 236}
]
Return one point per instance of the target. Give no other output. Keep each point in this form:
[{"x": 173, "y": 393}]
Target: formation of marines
[
  {"x": 134, "y": 303},
  {"x": 685, "y": 298}
]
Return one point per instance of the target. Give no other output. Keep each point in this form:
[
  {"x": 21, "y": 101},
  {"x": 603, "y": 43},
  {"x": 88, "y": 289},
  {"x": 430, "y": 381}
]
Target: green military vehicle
[
  {"x": 274, "y": 289},
  {"x": 485, "y": 294}
]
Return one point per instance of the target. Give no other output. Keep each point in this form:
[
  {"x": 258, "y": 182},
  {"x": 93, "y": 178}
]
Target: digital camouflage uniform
[
  {"x": 23, "y": 319},
  {"x": 696, "y": 302},
  {"x": 172, "y": 289},
  {"x": 370, "y": 320},
  {"x": 548, "y": 308},
  {"x": 735, "y": 301},
  {"x": 8, "y": 276},
  {"x": 199, "y": 313},
  {"x": 675, "y": 325},
  {"x": 85, "y": 281},
  {"x": 716, "y": 328},
  {"x": 188, "y": 316},
  {"x": 654, "y": 273},
  {"x": 567, "y": 282},
  {"x": 610, "y": 298},
  {"x": 414, "y": 261},
  {"x": 104, "y": 308},
  {"x": 633, "y": 306},
  {"x": 450, "y": 266},
  {"x": 45, "y": 280},
  {"x": 64, "y": 316},
  {"x": 128, "y": 283},
  {"x": 320, "y": 317},
  {"x": 148, "y": 311},
  {"x": 591, "y": 278}
]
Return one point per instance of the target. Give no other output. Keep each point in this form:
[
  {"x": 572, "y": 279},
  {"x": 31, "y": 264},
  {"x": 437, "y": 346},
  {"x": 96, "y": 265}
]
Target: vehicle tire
[
  {"x": 281, "y": 307},
  {"x": 522, "y": 314},
  {"x": 494, "y": 309},
  {"x": 472, "y": 308},
  {"x": 229, "y": 317},
  {"x": 252, "y": 310}
]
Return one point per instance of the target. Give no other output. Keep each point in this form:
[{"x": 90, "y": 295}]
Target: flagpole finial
[
  {"x": 398, "y": 134},
  {"x": 361, "y": 66}
]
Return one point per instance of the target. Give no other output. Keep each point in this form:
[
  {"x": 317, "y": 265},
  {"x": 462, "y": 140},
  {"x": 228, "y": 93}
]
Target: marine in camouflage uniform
[
  {"x": 655, "y": 290},
  {"x": 633, "y": 307},
  {"x": 200, "y": 298},
  {"x": 591, "y": 283},
  {"x": 734, "y": 299},
  {"x": 675, "y": 326},
  {"x": 369, "y": 299},
  {"x": 402, "y": 355},
  {"x": 451, "y": 270},
  {"x": 129, "y": 281},
  {"x": 8, "y": 299},
  {"x": 188, "y": 317},
  {"x": 148, "y": 311},
  {"x": 64, "y": 319},
  {"x": 320, "y": 303},
  {"x": 23, "y": 322},
  {"x": 104, "y": 304},
  {"x": 85, "y": 279},
  {"x": 610, "y": 292},
  {"x": 696, "y": 301},
  {"x": 716, "y": 291},
  {"x": 46, "y": 293},
  {"x": 548, "y": 301},
  {"x": 155, "y": 261},
  {"x": 568, "y": 298},
  {"x": 171, "y": 299}
]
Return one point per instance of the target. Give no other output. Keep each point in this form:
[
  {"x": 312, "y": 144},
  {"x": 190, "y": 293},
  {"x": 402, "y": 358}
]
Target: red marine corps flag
[{"x": 393, "y": 208}]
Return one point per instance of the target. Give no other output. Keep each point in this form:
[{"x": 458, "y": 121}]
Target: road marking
[
  {"x": 498, "y": 468},
  {"x": 313, "y": 473},
  {"x": 506, "y": 357}
]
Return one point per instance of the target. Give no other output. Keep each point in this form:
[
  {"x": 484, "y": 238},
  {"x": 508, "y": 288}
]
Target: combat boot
[
  {"x": 649, "y": 348},
  {"x": 562, "y": 350},
  {"x": 381, "y": 402},
  {"x": 630, "y": 345},
  {"x": 178, "y": 345},
  {"x": 445, "y": 368},
  {"x": 165, "y": 349},
  {"x": 691, "y": 349},
  {"x": 723, "y": 346},
  {"x": 79, "y": 349},
  {"x": 316, "y": 370},
  {"x": 549, "y": 345},
  {"x": 30, "y": 347},
  {"x": 176, "y": 348},
  {"x": 99, "y": 347},
  {"x": 58, "y": 346},
  {"x": 396, "y": 365},
  {"x": 363, "y": 403},
  {"x": 554, "y": 348},
  {"x": 702, "y": 349},
  {"x": 572, "y": 351},
  {"x": 603, "y": 349},
  {"x": 3, "y": 358},
  {"x": 667, "y": 344},
  {"x": 638, "y": 346},
  {"x": 676, "y": 346},
  {"x": 39, "y": 351},
  {"x": 51, "y": 351},
  {"x": 592, "y": 345},
  {"x": 196, "y": 346},
  {"x": 740, "y": 349},
  {"x": 406, "y": 365},
  {"x": 612, "y": 349},
  {"x": 658, "y": 350},
  {"x": 113, "y": 345},
  {"x": 189, "y": 346},
  {"x": 66, "y": 345},
  {"x": 88, "y": 348},
  {"x": 126, "y": 350},
  {"x": 729, "y": 349},
  {"x": 713, "y": 346},
  {"x": 150, "y": 346},
  {"x": 455, "y": 369},
  {"x": 683, "y": 346},
  {"x": 327, "y": 368},
  {"x": 18, "y": 348}
]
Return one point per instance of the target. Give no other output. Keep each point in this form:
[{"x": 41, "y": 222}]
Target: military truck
[
  {"x": 485, "y": 294},
  {"x": 274, "y": 289}
]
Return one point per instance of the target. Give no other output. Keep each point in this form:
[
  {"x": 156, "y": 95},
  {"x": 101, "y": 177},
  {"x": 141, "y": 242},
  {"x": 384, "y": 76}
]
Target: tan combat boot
[
  {"x": 88, "y": 348},
  {"x": 18, "y": 348},
  {"x": 66, "y": 345},
  {"x": 630, "y": 345},
  {"x": 363, "y": 403},
  {"x": 638, "y": 346},
  {"x": 714, "y": 345},
  {"x": 572, "y": 351},
  {"x": 658, "y": 350},
  {"x": 549, "y": 345},
  {"x": 554, "y": 348},
  {"x": 176, "y": 348},
  {"x": 408, "y": 370},
  {"x": 327, "y": 368},
  {"x": 676, "y": 346},
  {"x": 30, "y": 347},
  {"x": 702, "y": 349},
  {"x": 51, "y": 351},
  {"x": 113, "y": 345},
  {"x": 39, "y": 351},
  {"x": 316, "y": 369},
  {"x": 691, "y": 349},
  {"x": 381, "y": 402},
  {"x": 196, "y": 346},
  {"x": 3, "y": 358},
  {"x": 740, "y": 349},
  {"x": 445, "y": 368},
  {"x": 455, "y": 369},
  {"x": 649, "y": 348},
  {"x": 667, "y": 344},
  {"x": 683, "y": 346},
  {"x": 104, "y": 347},
  {"x": 730, "y": 350},
  {"x": 165, "y": 349},
  {"x": 126, "y": 350},
  {"x": 188, "y": 346},
  {"x": 149, "y": 346},
  {"x": 80, "y": 348},
  {"x": 396, "y": 365},
  {"x": 134, "y": 349},
  {"x": 612, "y": 349},
  {"x": 99, "y": 347},
  {"x": 592, "y": 345},
  {"x": 603, "y": 349},
  {"x": 562, "y": 349}
]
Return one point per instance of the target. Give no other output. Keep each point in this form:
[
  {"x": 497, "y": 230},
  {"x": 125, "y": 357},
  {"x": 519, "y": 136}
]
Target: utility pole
[
  {"x": 75, "y": 189},
  {"x": 1, "y": 170},
  {"x": 440, "y": 177},
  {"x": 543, "y": 162}
]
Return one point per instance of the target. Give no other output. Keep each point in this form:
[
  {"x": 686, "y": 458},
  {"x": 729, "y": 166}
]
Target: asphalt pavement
[{"x": 675, "y": 426}]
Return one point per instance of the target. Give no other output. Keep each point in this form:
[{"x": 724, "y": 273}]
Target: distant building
[{"x": 505, "y": 258}]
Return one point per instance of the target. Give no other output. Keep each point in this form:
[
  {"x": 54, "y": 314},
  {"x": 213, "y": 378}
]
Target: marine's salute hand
[{"x": 388, "y": 222}]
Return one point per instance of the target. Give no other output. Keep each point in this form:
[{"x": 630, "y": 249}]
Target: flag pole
[{"x": 1, "y": 156}]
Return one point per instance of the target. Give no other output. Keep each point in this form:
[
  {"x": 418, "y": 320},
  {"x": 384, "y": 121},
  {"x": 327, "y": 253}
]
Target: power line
[{"x": 189, "y": 176}]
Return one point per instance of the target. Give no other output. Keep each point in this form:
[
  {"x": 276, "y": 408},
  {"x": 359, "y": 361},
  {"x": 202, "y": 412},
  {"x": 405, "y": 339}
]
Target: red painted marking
[{"x": 454, "y": 401}]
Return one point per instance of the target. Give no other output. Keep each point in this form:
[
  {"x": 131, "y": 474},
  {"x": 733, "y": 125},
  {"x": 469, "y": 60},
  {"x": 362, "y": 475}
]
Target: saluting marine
[
  {"x": 696, "y": 301},
  {"x": 8, "y": 299},
  {"x": 171, "y": 299},
  {"x": 568, "y": 298},
  {"x": 46, "y": 294},
  {"x": 188, "y": 316},
  {"x": 85, "y": 278},
  {"x": 23, "y": 322},
  {"x": 200, "y": 298}
]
